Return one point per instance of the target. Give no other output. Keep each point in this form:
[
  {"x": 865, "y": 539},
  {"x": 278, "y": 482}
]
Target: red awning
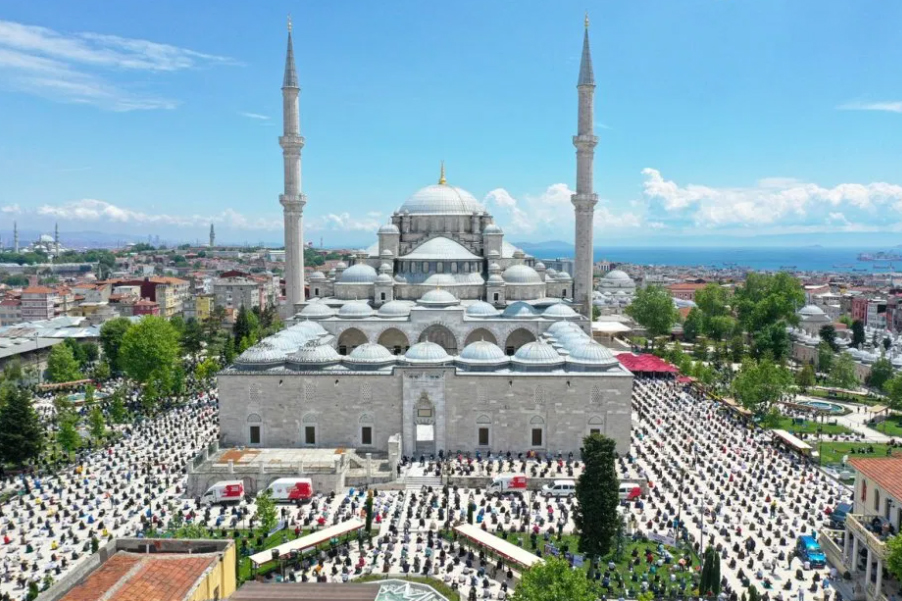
[{"x": 646, "y": 363}]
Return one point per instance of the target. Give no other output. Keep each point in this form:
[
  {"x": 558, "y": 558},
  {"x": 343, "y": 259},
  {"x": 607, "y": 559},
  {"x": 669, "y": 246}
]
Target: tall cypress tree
[
  {"x": 597, "y": 492},
  {"x": 21, "y": 437}
]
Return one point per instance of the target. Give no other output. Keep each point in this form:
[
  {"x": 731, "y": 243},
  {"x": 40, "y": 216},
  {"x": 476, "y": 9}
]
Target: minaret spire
[
  {"x": 16, "y": 237},
  {"x": 441, "y": 179},
  {"x": 212, "y": 236},
  {"x": 56, "y": 238},
  {"x": 292, "y": 199},
  {"x": 585, "y": 199}
]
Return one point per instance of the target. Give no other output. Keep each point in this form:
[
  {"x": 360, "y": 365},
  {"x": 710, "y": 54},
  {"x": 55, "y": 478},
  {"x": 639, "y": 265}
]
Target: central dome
[{"x": 442, "y": 199}]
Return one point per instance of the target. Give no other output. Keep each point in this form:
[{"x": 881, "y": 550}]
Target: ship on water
[{"x": 880, "y": 256}]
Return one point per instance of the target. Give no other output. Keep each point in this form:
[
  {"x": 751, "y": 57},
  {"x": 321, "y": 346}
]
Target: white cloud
[
  {"x": 255, "y": 116},
  {"x": 890, "y": 106},
  {"x": 774, "y": 202},
  {"x": 79, "y": 67},
  {"x": 12, "y": 209},
  {"x": 343, "y": 222}
]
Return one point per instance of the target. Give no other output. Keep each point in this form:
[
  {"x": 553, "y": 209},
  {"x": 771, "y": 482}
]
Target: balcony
[{"x": 859, "y": 526}]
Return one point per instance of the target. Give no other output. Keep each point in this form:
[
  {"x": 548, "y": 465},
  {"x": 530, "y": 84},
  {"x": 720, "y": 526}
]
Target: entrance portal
[{"x": 424, "y": 418}]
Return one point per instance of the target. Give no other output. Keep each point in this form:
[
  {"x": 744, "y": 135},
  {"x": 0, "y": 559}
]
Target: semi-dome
[
  {"x": 537, "y": 353},
  {"x": 592, "y": 353},
  {"x": 481, "y": 309},
  {"x": 317, "y": 311},
  {"x": 811, "y": 311},
  {"x": 308, "y": 328},
  {"x": 482, "y": 352},
  {"x": 438, "y": 298},
  {"x": 315, "y": 354},
  {"x": 370, "y": 353},
  {"x": 263, "y": 354},
  {"x": 558, "y": 328},
  {"x": 442, "y": 199},
  {"x": 520, "y": 310},
  {"x": 559, "y": 311},
  {"x": 521, "y": 274},
  {"x": 440, "y": 279},
  {"x": 355, "y": 310},
  {"x": 426, "y": 352},
  {"x": 389, "y": 228},
  {"x": 316, "y": 276},
  {"x": 359, "y": 273},
  {"x": 394, "y": 309}
]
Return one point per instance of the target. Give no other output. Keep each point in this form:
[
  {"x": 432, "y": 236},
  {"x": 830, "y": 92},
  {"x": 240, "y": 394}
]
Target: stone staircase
[{"x": 418, "y": 482}]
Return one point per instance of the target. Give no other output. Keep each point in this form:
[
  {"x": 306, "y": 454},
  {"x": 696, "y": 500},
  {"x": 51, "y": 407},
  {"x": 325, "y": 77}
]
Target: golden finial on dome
[
  {"x": 441, "y": 178},
  {"x": 289, "y": 23},
  {"x": 587, "y": 20}
]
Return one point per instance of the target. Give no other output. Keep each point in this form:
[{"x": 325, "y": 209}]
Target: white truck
[
  {"x": 224, "y": 492},
  {"x": 508, "y": 484},
  {"x": 291, "y": 490}
]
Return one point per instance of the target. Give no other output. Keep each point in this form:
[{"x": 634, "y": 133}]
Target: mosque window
[
  {"x": 310, "y": 435},
  {"x": 440, "y": 267},
  {"x": 254, "y": 435},
  {"x": 466, "y": 267},
  {"x": 382, "y": 296},
  {"x": 366, "y": 436},
  {"x": 454, "y": 267},
  {"x": 496, "y": 297},
  {"x": 537, "y": 431},
  {"x": 563, "y": 293},
  {"x": 425, "y": 267}
]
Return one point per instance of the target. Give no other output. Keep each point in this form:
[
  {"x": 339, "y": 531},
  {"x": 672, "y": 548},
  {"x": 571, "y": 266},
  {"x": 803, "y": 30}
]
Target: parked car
[
  {"x": 808, "y": 549},
  {"x": 560, "y": 488}
]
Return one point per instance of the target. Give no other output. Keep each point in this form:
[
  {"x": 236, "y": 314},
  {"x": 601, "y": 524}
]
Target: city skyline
[{"x": 694, "y": 146}]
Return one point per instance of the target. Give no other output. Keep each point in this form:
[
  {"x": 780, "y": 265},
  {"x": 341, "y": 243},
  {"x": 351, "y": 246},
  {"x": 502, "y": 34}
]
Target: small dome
[
  {"x": 558, "y": 328},
  {"x": 438, "y": 298},
  {"x": 370, "y": 353},
  {"x": 521, "y": 274},
  {"x": 262, "y": 354},
  {"x": 539, "y": 266},
  {"x": 559, "y": 310},
  {"x": 341, "y": 265},
  {"x": 389, "y": 228},
  {"x": 426, "y": 352},
  {"x": 317, "y": 311},
  {"x": 355, "y": 310},
  {"x": 386, "y": 253},
  {"x": 495, "y": 279},
  {"x": 400, "y": 279},
  {"x": 494, "y": 267},
  {"x": 562, "y": 276},
  {"x": 520, "y": 310},
  {"x": 572, "y": 339},
  {"x": 494, "y": 254},
  {"x": 482, "y": 352},
  {"x": 394, "y": 309},
  {"x": 316, "y": 276},
  {"x": 616, "y": 275},
  {"x": 519, "y": 254},
  {"x": 551, "y": 272},
  {"x": 592, "y": 353},
  {"x": 308, "y": 328},
  {"x": 481, "y": 309},
  {"x": 440, "y": 279},
  {"x": 811, "y": 311},
  {"x": 383, "y": 278},
  {"x": 442, "y": 199},
  {"x": 359, "y": 273},
  {"x": 537, "y": 353},
  {"x": 385, "y": 268},
  {"x": 492, "y": 229},
  {"x": 315, "y": 354}
]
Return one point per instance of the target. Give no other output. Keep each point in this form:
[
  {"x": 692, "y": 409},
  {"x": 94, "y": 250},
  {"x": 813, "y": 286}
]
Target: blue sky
[{"x": 721, "y": 121}]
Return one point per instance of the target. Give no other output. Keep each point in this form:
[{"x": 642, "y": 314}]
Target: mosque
[{"x": 441, "y": 335}]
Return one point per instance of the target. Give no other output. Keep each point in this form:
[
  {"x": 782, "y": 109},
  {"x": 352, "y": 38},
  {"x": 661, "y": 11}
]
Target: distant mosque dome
[
  {"x": 370, "y": 353},
  {"x": 537, "y": 353}
]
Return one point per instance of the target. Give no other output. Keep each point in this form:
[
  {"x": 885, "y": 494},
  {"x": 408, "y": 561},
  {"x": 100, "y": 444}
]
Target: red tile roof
[
  {"x": 885, "y": 471},
  {"x": 645, "y": 363},
  {"x": 38, "y": 290}
]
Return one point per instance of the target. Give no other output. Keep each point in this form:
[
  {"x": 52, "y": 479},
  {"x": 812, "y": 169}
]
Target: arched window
[
  {"x": 254, "y": 430},
  {"x": 537, "y": 432},
  {"x": 309, "y": 429},
  {"x": 483, "y": 431},
  {"x": 596, "y": 424},
  {"x": 366, "y": 430},
  {"x": 454, "y": 267}
]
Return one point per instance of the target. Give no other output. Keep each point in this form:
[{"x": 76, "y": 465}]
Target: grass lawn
[
  {"x": 795, "y": 426},
  {"x": 832, "y": 452},
  {"x": 438, "y": 585},
  {"x": 892, "y": 426}
]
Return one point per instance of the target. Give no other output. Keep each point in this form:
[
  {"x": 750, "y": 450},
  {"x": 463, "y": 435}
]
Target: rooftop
[{"x": 885, "y": 471}]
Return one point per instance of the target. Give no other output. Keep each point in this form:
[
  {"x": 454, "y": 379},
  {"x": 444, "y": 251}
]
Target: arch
[
  {"x": 518, "y": 338},
  {"x": 394, "y": 340},
  {"x": 596, "y": 420},
  {"x": 595, "y": 425},
  {"x": 350, "y": 339},
  {"x": 424, "y": 411},
  {"x": 537, "y": 420},
  {"x": 254, "y": 418},
  {"x": 441, "y": 336},
  {"x": 254, "y": 430},
  {"x": 365, "y": 418},
  {"x": 480, "y": 334},
  {"x": 483, "y": 419}
]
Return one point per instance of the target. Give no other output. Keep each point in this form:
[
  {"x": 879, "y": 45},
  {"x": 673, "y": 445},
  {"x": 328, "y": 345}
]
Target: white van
[
  {"x": 630, "y": 491},
  {"x": 291, "y": 490},
  {"x": 560, "y": 488}
]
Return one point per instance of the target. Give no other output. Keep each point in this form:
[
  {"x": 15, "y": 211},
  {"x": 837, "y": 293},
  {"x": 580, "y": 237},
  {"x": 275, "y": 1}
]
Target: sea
[{"x": 814, "y": 258}]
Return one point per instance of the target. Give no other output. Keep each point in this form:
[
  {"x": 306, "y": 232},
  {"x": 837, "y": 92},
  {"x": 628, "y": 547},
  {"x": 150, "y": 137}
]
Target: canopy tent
[
  {"x": 792, "y": 441},
  {"x": 509, "y": 551},
  {"x": 646, "y": 363},
  {"x": 308, "y": 542}
]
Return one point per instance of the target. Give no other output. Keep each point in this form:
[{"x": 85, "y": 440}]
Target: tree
[
  {"x": 825, "y": 356},
  {"x": 61, "y": 365},
  {"x": 91, "y": 351},
  {"x": 553, "y": 580},
  {"x": 845, "y": 319},
  {"x": 67, "y": 436},
  {"x": 694, "y": 324},
  {"x": 653, "y": 309},
  {"x": 118, "y": 412},
  {"x": 753, "y": 593},
  {"x": 369, "y": 511},
  {"x": 266, "y": 512},
  {"x": 719, "y": 326},
  {"x": 22, "y": 436},
  {"x": 857, "y": 333},
  {"x": 227, "y": 355},
  {"x": 192, "y": 337},
  {"x": 881, "y": 372},
  {"x": 805, "y": 377},
  {"x": 894, "y": 556},
  {"x": 596, "y": 515},
  {"x": 765, "y": 300},
  {"x": 893, "y": 388},
  {"x": 96, "y": 423},
  {"x": 709, "y": 583},
  {"x": 150, "y": 348},
  {"x": 759, "y": 384},
  {"x": 712, "y": 300},
  {"x": 111, "y": 335},
  {"x": 78, "y": 351},
  {"x": 737, "y": 348},
  {"x": 771, "y": 341},
  {"x": 828, "y": 335},
  {"x": 206, "y": 370},
  {"x": 246, "y": 325},
  {"x": 842, "y": 375},
  {"x": 102, "y": 371}
]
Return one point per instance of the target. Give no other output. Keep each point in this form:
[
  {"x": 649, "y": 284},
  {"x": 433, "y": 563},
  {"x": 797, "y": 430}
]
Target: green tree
[
  {"x": 91, "y": 351},
  {"x": 111, "y": 335},
  {"x": 894, "y": 556},
  {"x": 228, "y": 353},
  {"x": 845, "y": 319},
  {"x": 654, "y": 310},
  {"x": 206, "y": 370},
  {"x": 857, "y": 333},
  {"x": 709, "y": 583},
  {"x": 192, "y": 337},
  {"x": 96, "y": 423},
  {"x": 67, "y": 436},
  {"x": 246, "y": 327},
  {"x": 102, "y": 371},
  {"x": 881, "y": 372},
  {"x": 150, "y": 348},
  {"x": 765, "y": 300},
  {"x": 78, "y": 351},
  {"x": 753, "y": 593},
  {"x": 61, "y": 365},
  {"x": 825, "y": 356},
  {"x": 595, "y": 516},
  {"x": 22, "y": 436},
  {"x": 842, "y": 374},
  {"x": 805, "y": 377},
  {"x": 118, "y": 412},
  {"x": 89, "y": 394},
  {"x": 369, "y": 511},
  {"x": 759, "y": 384},
  {"x": 719, "y": 326},
  {"x": 737, "y": 348},
  {"x": 13, "y": 371},
  {"x": 553, "y": 580},
  {"x": 693, "y": 325},
  {"x": 828, "y": 335},
  {"x": 712, "y": 300},
  {"x": 266, "y": 514},
  {"x": 771, "y": 341}
]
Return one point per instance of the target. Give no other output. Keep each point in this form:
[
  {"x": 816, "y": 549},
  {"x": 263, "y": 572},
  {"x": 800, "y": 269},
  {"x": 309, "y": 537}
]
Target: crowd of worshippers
[{"x": 459, "y": 464}]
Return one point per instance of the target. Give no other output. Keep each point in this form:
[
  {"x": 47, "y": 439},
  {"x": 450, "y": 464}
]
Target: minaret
[
  {"x": 292, "y": 200},
  {"x": 15, "y": 237},
  {"x": 56, "y": 238},
  {"x": 585, "y": 198},
  {"x": 212, "y": 236}
]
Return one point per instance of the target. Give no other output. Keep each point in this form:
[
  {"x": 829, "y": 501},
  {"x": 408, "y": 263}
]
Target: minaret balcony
[
  {"x": 585, "y": 141},
  {"x": 291, "y": 141}
]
